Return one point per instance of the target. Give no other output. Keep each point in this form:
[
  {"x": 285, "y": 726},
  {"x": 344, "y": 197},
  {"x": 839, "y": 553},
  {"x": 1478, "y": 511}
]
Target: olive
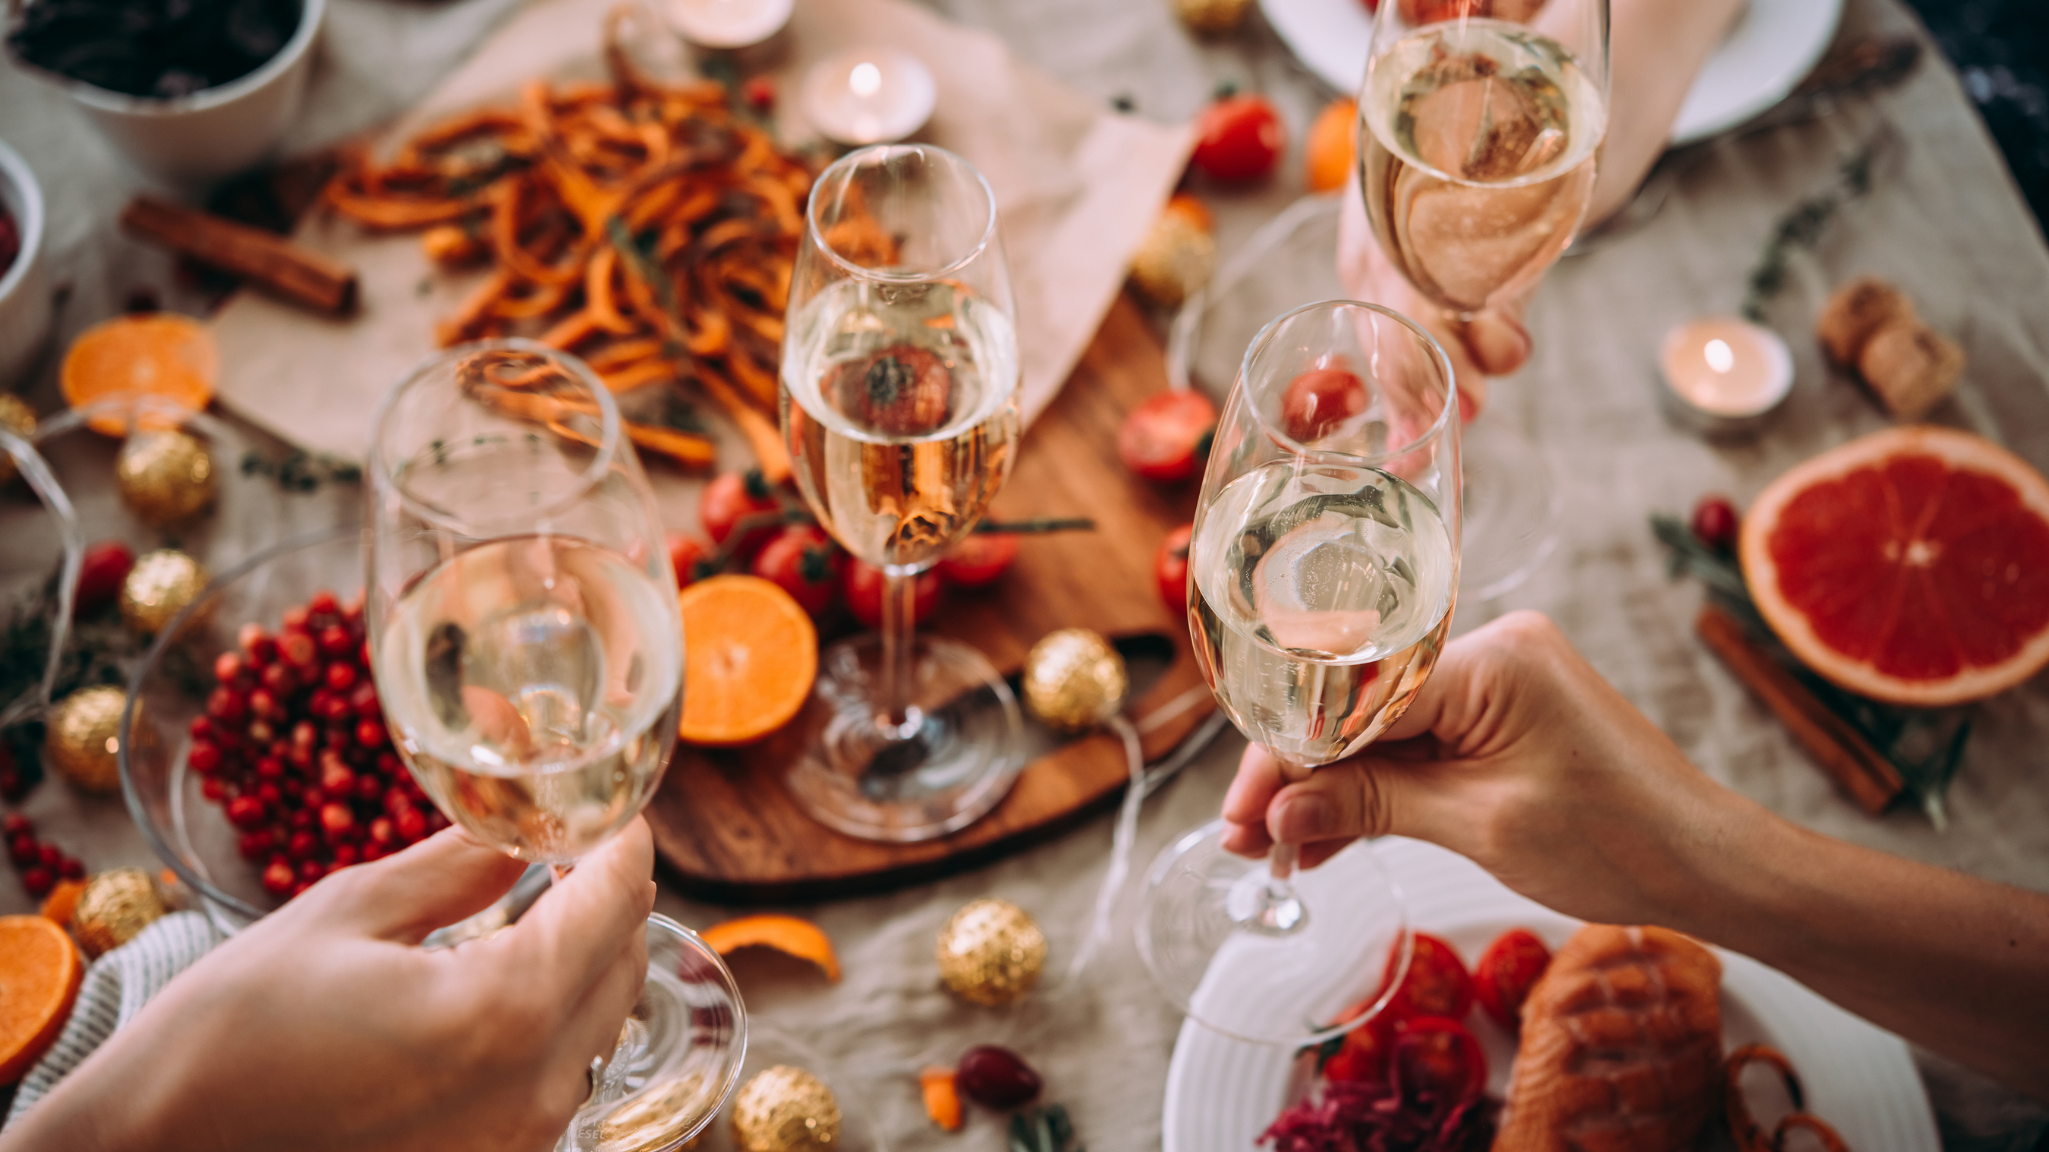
[{"x": 996, "y": 1077}]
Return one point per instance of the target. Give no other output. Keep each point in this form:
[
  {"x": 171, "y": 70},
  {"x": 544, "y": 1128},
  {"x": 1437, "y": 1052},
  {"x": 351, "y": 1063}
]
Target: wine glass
[
  {"x": 1480, "y": 126},
  {"x": 528, "y": 651},
  {"x": 1322, "y": 573},
  {"x": 899, "y": 408}
]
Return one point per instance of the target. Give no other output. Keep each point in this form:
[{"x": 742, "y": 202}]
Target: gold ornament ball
[
  {"x": 1174, "y": 260},
  {"x": 990, "y": 951},
  {"x": 114, "y": 908},
  {"x": 159, "y": 587},
  {"x": 1074, "y": 680},
  {"x": 20, "y": 419},
  {"x": 84, "y": 735},
  {"x": 165, "y": 476},
  {"x": 1212, "y": 17},
  {"x": 785, "y": 1109}
]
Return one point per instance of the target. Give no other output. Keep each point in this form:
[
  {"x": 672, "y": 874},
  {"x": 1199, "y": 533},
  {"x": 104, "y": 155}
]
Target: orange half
[
  {"x": 39, "y": 976},
  {"x": 162, "y": 354},
  {"x": 750, "y": 654}
]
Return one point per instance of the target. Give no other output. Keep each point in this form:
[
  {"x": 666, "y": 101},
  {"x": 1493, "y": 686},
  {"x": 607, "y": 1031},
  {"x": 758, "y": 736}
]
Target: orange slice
[
  {"x": 1327, "y": 150},
  {"x": 941, "y": 1089},
  {"x": 162, "y": 354},
  {"x": 39, "y": 976},
  {"x": 785, "y": 934},
  {"x": 749, "y": 656},
  {"x": 1910, "y": 565},
  {"x": 62, "y": 902}
]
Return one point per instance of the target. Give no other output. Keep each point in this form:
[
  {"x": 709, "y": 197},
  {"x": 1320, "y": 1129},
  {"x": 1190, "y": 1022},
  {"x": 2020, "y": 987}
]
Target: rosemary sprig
[
  {"x": 301, "y": 471},
  {"x": 1801, "y": 227},
  {"x": 1926, "y": 745},
  {"x": 1045, "y": 1129}
]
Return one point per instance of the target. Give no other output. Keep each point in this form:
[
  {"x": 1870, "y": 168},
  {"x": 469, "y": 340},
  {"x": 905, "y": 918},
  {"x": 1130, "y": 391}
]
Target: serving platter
[{"x": 1221, "y": 1093}]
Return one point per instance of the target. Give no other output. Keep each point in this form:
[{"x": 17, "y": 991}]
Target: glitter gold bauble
[
  {"x": 159, "y": 587},
  {"x": 115, "y": 906},
  {"x": 1177, "y": 255},
  {"x": 785, "y": 1109},
  {"x": 990, "y": 951},
  {"x": 1212, "y": 17},
  {"x": 165, "y": 476},
  {"x": 653, "y": 1119},
  {"x": 1074, "y": 680},
  {"x": 20, "y": 419},
  {"x": 83, "y": 737}
]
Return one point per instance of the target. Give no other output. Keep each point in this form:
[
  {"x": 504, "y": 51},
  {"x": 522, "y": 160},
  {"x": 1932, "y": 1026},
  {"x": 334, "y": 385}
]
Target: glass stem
[
  {"x": 1280, "y": 863},
  {"x": 899, "y": 600}
]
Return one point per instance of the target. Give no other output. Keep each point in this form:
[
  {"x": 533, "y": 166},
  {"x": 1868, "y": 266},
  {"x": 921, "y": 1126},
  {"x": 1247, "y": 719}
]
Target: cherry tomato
[
  {"x": 862, "y": 587},
  {"x": 803, "y": 561},
  {"x": 1238, "y": 139},
  {"x": 1167, "y": 437},
  {"x": 1436, "y": 1055},
  {"x": 686, "y": 553},
  {"x": 1507, "y": 970},
  {"x": 735, "y": 496},
  {"x": 1363, "y": 1055},
  {"x": 1436, "y": 983},
  {"x": 1715, "y": 522},
  {"x": 1170, "y": 568},
  {"x": 979, "y": 559},
  {"x": 100, "y": 575},
  {"x": 1319, "y": 400}
]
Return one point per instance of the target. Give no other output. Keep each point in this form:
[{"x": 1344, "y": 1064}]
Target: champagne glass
[
  {"x": 899, "y": 408},
  {"x": 1323, "y": 569},
  {"x": 528, "y": 651},
  {"x": 1480, "y": 126}
]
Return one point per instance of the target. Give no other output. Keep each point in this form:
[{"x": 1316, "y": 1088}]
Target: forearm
[
  {"x": 1956, "y": 964},
  {"x": 1657, "y": 48}
]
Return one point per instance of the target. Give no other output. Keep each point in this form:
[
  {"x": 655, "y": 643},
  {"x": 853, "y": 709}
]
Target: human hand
[
  {"x": 324, "y": 1026},
  {"x": 1519, "y": 756},
  {"x": 1494, "y": 343}
]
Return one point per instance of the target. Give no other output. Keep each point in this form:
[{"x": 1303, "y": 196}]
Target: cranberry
[
  {"x": 411, "y": 826},
  {"x": 201, "y": 728},
  {"x": 381, "y": 830},
  {"x": 303, "y": 819},
  {"x": 323, "y": 602},
  {"x": 51, "y": 856},
  {"x": 302, "y": 845},
  {"x": 337, "y": 818},
  {"x": 277, "y": 679},
  {"x": 759, "y": 91},
  {"x": 370, "y": 734},
  {"x": 374, "y": 852},
  {"x": 341, "y": 676},
  {"x": 226, "y": 665},
  {"x": 263, "y": 651},
  {"x": 38, "y": 881},
  {"x": 270, "y": 768},
  {"x": 17, "y": 825},
  {"x": 315, "y": 797},
  {"x": 996, "y": 1077},
  {"x": 270, "y": 794},
  {"x": 336, "y": 779},
  {"x": 311, "y": 870},
  {"x": 253, "y": 844},
  {"x": 363, "y": 654},
  {"x": 212, "y": 788},
  {"x": 74, "y": 869},
  {"x": 245, "y": 811},
  {"x": 204, "y": 758},
  {"x": 297, "y": 649},
  {"x": 263, "y": 702},
  {"x": 260, "y": 732},
  {"x": 335, "y": 640},
  {"x": 1715, "y": 522},
  {"x": 278, "y": 878},
  {"x": 294, "y": 619},
  {"x": 100, "y": 575},
  {"x": 24, "y": 851},
  {"x": 346, "y": 854},
  {"x": 368, "y": 789},
  {"x": 226, "y": 705}
]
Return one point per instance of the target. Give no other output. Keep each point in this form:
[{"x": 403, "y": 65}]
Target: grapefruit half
[{"x": 1910, "y": 565}]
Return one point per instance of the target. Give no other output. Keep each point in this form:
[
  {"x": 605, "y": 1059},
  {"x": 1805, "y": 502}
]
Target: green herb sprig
[
  {"x": 1800, "y": 229},
  {"x": 1046, "y": 1129}
]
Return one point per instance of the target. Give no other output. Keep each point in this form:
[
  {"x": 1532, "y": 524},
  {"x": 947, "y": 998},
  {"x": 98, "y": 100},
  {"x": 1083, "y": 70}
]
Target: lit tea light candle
[
  {"x": 868, "y": 96},
  {"x": 1723, "y": 372},
  {"x": 727, "y": 25}
]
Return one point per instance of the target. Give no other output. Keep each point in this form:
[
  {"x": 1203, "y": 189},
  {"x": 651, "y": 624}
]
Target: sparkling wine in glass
[
  {"x": 1323, "y": 571},
  {"x": 899, "y": 408},
  {"x": 527, "y": 647}
]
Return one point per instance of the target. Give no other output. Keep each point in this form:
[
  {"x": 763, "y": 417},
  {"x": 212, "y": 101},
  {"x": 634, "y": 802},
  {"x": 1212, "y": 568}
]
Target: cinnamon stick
[
  {"x": 287, "y": 269},
  {"x": 1835, "y": 744}
]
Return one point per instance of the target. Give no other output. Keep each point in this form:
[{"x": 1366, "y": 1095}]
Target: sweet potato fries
[{"x": 643, "y": 226}]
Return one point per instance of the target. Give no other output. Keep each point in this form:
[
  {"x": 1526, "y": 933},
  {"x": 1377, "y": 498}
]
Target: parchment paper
[{"x": 1076, "y": 185}]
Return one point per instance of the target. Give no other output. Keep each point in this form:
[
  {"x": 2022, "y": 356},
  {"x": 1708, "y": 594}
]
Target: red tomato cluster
[
  {"x": 1239, "y": 139},
  {"x": 293, "y": 747},
  {"x": 1420, "y": 1042},
  {"x": 40, "y": 863}
]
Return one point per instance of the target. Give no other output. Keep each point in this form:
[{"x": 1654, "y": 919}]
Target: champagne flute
[
  {"x": 899, "y": 408},
  {"x": 1480, "y": 126},
  {"x": 527, "y": 647},
  {"x": 1323, "y": 569}
]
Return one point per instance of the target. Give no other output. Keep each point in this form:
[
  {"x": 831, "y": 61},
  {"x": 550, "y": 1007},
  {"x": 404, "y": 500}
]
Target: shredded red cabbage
[{"x": 1364, "y": 1116}]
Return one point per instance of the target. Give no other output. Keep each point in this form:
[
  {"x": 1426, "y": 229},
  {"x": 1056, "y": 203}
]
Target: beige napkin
[{"x": 1076, "y": 185}]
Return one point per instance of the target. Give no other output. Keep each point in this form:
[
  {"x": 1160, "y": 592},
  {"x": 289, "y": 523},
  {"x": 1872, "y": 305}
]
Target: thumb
[
  {"x": 1364, "y": 796},
  {"x": 1497, "y": 342},
  {"x": 442, "y": 879}
]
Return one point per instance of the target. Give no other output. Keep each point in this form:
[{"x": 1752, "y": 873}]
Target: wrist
[{"x": 1727, "y": 887}]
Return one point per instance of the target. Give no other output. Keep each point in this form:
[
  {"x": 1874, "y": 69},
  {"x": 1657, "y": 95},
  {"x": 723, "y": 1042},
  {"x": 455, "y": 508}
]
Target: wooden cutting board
[{"x": 722, "y": 819}]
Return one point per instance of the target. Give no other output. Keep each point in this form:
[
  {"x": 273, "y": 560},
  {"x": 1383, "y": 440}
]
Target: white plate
[
  {"x": 1773, "y": 46},
  {"x": 1221, "y": 1094}
]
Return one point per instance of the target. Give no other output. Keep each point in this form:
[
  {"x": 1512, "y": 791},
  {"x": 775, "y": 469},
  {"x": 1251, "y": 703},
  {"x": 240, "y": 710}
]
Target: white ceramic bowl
[
  {"x": 24, "y": 287},
  {"x": 195, "y": 140}
]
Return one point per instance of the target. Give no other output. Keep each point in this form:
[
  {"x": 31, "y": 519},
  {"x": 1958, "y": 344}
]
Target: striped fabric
[{"x": 116, "y": 987}]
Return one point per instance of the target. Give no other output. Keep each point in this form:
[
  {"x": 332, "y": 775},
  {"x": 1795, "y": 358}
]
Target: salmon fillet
[{"x": 1621, "y": 1046}]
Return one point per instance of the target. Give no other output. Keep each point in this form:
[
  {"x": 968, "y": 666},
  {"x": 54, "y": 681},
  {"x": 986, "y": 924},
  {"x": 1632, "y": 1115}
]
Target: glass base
[
  {"x": 953, "y": 759},
  {"x": 1511, "y": 510},
  {"x": 1209, "y": 934},
  {"x": 679, "y": 1054}
]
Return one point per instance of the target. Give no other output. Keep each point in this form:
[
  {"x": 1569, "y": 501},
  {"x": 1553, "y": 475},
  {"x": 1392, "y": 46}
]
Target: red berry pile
[
  {"x": 41, "y": 865},
  {"x": 294, "y": 749}
]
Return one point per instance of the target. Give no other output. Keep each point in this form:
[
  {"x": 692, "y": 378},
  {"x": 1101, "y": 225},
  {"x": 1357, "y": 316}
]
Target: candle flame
[
  {"x": 865, "y": 79},
  {"x": 1720, "y": 356}
]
